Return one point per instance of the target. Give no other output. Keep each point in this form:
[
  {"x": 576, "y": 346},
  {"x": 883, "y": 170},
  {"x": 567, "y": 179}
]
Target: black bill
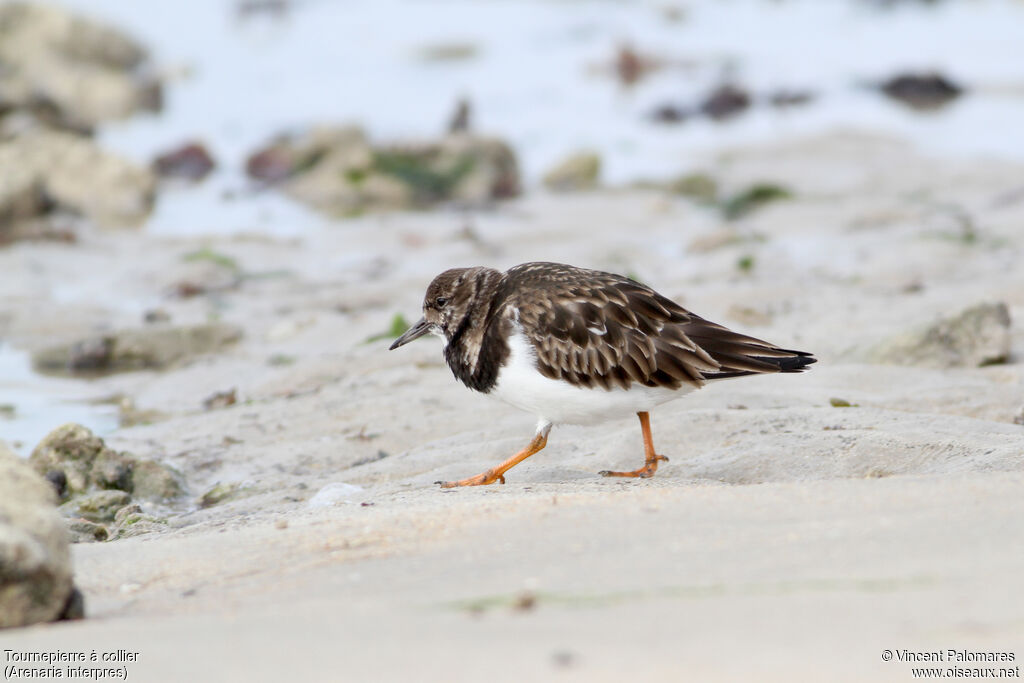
[{"x": 414, "y": 332}]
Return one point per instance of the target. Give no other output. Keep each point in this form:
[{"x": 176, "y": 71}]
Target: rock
[
  {"x": 35, "y": 563},
  {"x": 151, "y": 347},
  {"x": 131, "y": 521},
  {"x": 43, "y": 171},
  {"x": 337, "y": 170},
  {"x": 191, "y": 162},
  {"x": 156, "y": 482},
  {"x": 725, "y": 102},
  {"x": 670, "y": 113},
  {"x": 921, "y": 91},
  {"x": 70, "y": 449},
  {"x": 89, "y": 466},
  {"x": 220, "y": 493},
  {"x": 97, "y": 507},
  {"x": 979, "y": 335},
  {"x": 69, "y": 71},
  {"x": 579, "y": 171},
  {"x": 84, "y": 531}
]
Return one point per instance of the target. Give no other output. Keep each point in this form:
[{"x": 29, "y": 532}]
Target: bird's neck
[{"x": 478, "y": 346}]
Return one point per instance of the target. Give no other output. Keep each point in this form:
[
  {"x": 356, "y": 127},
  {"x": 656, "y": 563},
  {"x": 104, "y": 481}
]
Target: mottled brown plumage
[{"x": 588, "y": 329}]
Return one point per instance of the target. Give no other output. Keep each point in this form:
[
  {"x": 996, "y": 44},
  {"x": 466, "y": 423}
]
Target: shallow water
[
  {"x": 538, "y": 73},
  {"x": 31, "y": 405}
]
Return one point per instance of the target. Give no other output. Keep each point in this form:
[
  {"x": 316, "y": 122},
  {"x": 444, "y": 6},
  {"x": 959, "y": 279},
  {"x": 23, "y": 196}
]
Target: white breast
[{"x": 522, "y": 385}]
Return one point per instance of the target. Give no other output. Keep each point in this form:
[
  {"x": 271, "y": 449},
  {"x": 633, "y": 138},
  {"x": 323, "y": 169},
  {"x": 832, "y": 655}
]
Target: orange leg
[
  {"x": 498, "y": 473},
  {"x": 652, "y": 458}
]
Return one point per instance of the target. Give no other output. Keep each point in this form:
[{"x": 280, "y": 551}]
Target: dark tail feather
[{"x": 740, "y": 355}]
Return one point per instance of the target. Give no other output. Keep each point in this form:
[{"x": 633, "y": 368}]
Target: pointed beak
[{"x": 414, "y": 332}]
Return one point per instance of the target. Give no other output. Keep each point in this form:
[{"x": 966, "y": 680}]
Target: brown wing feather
[{"x": 598, "y": 329}]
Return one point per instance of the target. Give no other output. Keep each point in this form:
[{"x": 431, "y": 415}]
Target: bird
[{"x": 578, "y": 346}]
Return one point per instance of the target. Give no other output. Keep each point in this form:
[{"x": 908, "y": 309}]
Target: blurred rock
[
  {"x": 725, "y": 101},
  {"x": 35, "y": 564},
  {"x": 337, "y": 170},
  {"x": 922, "y": 91},
  {"x": 84, "y": 531},
  {"x": 979, "y": 335},
  {"x": 46, "y": 170},
  {"x": 69, "y": 71},
  {"x": 670, "y": 113},
  {"x": 89, "y": 465},
  {"x": 190, "y": 162},
  {"x": 580, "y": 171},
  {"x": 97, "y": 507},
  {"x": 155, "y": 482},
  {"x": 152, "y": 347}
]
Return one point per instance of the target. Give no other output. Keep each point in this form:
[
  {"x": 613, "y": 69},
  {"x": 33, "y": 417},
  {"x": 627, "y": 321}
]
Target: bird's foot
[
  {"x": 482, "y": 479},
  {"x": 644, "y": 472}
]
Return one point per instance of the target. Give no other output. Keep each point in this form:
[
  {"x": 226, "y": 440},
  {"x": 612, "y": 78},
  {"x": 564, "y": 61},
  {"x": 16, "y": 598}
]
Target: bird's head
[{"x": 449, "y": 303}]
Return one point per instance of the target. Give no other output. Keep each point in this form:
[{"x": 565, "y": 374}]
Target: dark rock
[
  {"x": 725, "y": 102},
  {"x": 922, "y": 91},
  {"x": 191, "y": 162},
  {"x": 670, "y": 113}
]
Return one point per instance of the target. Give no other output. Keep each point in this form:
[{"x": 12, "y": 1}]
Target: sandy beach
[{"x": 787, "y": 539}]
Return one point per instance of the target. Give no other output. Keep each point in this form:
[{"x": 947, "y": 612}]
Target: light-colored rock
[
  {"x": 579, "y": 171},
  {"x": 89, "y": 466},
  {"x": 151, "y": 347},
  {"x": 338, "y": 171},
  {"x": 979, "y": 335},
  {"x": 98, "y": 507},
  {"x": 88, "y": 72},
  {"x": 75, "y": 174},
  {"x": 156, "y": 482},
  {"x": 35, "y": 565},
  {"x": 71, "y": 449}
]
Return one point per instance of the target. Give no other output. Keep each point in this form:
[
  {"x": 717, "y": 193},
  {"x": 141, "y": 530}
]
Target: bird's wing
[{"x": 595, "y": 329}]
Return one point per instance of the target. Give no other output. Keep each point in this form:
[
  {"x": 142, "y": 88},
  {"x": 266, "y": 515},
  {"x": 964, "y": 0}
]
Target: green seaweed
[
  {"x": 421, "y": 174},
  {"x": 752, "y": 198},
  {"x": 211, "y": 256},
  {"x": 398, "y": 327}
]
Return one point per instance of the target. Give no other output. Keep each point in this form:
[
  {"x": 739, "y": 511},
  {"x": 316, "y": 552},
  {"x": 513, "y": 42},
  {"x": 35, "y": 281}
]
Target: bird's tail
[{"x": 739, "y": 355}]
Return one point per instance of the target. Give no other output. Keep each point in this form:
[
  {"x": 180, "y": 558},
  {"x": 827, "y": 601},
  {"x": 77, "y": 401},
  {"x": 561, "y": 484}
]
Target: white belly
[{"x": 520, "y": 384}]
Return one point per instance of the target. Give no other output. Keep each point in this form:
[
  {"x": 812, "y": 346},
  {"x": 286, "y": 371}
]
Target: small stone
[
  {"x": 219, "y": 493},
  {"x": 922, "y": 91},
  {"x": 725, "y": 102},
  {"x": 839, "y": 403},
  {"x": 72, "y": 449},
  {"x": 191, "y": 162}
]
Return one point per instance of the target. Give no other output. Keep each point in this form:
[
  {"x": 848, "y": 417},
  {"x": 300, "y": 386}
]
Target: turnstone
[{"x": 580, "y": 346}]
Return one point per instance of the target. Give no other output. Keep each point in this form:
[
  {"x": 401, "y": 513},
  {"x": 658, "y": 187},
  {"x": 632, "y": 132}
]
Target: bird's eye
[{"x": 440, "y": 301}]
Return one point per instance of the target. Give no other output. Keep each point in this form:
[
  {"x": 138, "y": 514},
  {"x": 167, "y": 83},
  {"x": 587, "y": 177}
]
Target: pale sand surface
[{"x": 785, "y": 540}]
